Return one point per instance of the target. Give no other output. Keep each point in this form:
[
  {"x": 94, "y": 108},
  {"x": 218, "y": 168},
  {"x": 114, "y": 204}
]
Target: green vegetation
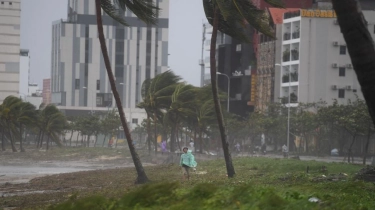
[{"x": 260, "y": 183}]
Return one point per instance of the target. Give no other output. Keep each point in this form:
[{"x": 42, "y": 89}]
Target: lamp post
[
  {"x": 218, "y": 73},
  {"x": 92, "y": 99},
  {"x": 288, "y": 125}
]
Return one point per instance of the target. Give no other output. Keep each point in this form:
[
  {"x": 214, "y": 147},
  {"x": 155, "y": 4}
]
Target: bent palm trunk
[
  {"x": 360, "y": 45},
  {"x": 142, "y": 177},
  {"x": 219, "y": 114}
]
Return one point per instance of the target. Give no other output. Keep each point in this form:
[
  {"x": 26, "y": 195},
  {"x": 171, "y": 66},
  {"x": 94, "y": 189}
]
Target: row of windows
[
  {"x": 10, "y": 3},
  {"x": 78, "y": 81},
  {"x": 342, "y": 92}
]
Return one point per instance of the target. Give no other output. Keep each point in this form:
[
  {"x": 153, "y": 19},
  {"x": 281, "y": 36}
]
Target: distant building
[
  {"x": 34, "y": 95},
  {"x": 315, "y": 64},
  {"x": 24, "y": 72},
  {"x": 10, "y": 13},
  {"x": 46, "y": 92},
  {"x": 78, "y": 75}
]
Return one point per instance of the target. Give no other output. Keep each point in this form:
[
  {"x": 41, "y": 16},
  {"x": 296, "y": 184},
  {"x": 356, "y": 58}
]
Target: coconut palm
[
  {"x": 147, "y": 12},
  {"x": 360, "y": 46},
  {"x": 26, "y": 117},
  {"x": 182, "y": 105},
  {"x": 9, "y": 113},
  {"x": 228, "y": 17},
  {"x": 156, "y": 96},
  {"x": 53, "y": 124}
]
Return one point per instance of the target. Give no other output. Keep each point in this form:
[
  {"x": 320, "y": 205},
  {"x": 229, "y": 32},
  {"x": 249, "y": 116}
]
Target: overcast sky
[{"x": 185, "y": 36}]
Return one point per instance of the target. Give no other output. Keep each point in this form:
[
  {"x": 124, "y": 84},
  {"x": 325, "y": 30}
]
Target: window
[
  {"x": 77, "y": 84},
  {"x": 342, "y": 50},
  {"x": 2, "y": 2},
  {"x": 10, "y": 3},
  {"x": 342, "y": 72},
  {"x": 135, "y": 120},
  {"x": 98, "y": 84},
  {"x": 341, "y": 93},
  {"x": 354, "y": 90}
]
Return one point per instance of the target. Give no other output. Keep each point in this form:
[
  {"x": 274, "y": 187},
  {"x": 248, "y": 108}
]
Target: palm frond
[{"x": 145, "y": 10}]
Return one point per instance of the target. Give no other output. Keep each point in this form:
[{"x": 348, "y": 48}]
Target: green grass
[{"x": 259, "y": 184}]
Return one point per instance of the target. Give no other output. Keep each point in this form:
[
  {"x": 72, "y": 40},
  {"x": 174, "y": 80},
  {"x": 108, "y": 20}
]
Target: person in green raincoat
[{"x": 187, "y": 161}]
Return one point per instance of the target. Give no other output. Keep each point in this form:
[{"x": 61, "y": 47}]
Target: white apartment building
[
  {"x": 314, "y": 56},
  {"x": 79, "y": 79},
  {"x": 10, "y": 13}
]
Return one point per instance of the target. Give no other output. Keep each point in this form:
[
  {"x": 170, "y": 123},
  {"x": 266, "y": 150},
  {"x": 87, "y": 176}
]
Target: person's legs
[{"x": 185, "y": 172}]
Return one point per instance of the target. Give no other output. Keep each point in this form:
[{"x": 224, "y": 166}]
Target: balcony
[
  {"x": 295, "y": 35},
  {"x": 286, "y": 56},
  {"x": 295, "y": 55},
  {"x": 286, "y": 36}
]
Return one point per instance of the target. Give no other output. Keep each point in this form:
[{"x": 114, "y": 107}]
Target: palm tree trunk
[
  {"x": 360, "y": 46},
  {"x": 219, "y": 114},
  {"x": 200, "y": 141},
  {"x": 70, "y": 139},
  {"x": 367, "y": 145},
  {"x": 142, "y": 177},
  {"x": 77, "y": 138},
  {"x": 96, "y": 139},
  {"x": 2, "y": 140},
  {"x": 38, "y": 138},
  {"x": 195, "y": 140},
  {"x": 41, "y": 140},
  {"x": 47, "y": 142},
  {"x": 88, "y": 140},
  {"x": 149, "y": 132},
  {"x": 105, "y": 136},
  {"x": 177, "y": 139},
  {"x": 350, "y": 148},
  {"x": 155, "y": 132},
  {"x": 172, "y": 139},
  {"x": 21, "y": 146},
  {"x": 11, "y": 139}
]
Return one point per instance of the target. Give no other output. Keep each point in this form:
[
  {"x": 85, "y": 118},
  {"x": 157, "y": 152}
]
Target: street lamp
[
  {"x": 287, "y": 136},
  {"x": 92, "y": 99},
  {"x": 218, "y": 73}
]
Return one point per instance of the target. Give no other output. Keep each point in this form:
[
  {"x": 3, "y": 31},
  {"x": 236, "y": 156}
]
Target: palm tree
[
  {"x": 147, "y": 12},
  {"x": 54, "y": 123},
  {"x": 156, "y": 96},
  {"x": 360, "y": 46},
  {"x": 227, "y": 17},
  {"x": 9, "y": 112},
  {"x": 26, "y": 117},
  {"x": 182, "y": 101}
]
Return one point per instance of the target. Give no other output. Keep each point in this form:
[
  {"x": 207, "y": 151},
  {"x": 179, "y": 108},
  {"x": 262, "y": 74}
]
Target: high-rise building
[
  {"x": 46, "y": 92},
  {"x": 78, "y": 75},
  {"x": 315, "y": 64},
  {"x": 10, "y": 13}
]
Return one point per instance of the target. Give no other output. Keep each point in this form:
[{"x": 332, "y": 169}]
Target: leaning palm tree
[
  {"x": 156, "y": 96},
  {"x": 228, "y": 17},
  {"x": 361, "y": 47},
  {"x": 147, "y": 12},
  {"x": 182, "y": 101},
  {"x": 9, "y": 112},
  {"x": 25, "y": 117}
]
